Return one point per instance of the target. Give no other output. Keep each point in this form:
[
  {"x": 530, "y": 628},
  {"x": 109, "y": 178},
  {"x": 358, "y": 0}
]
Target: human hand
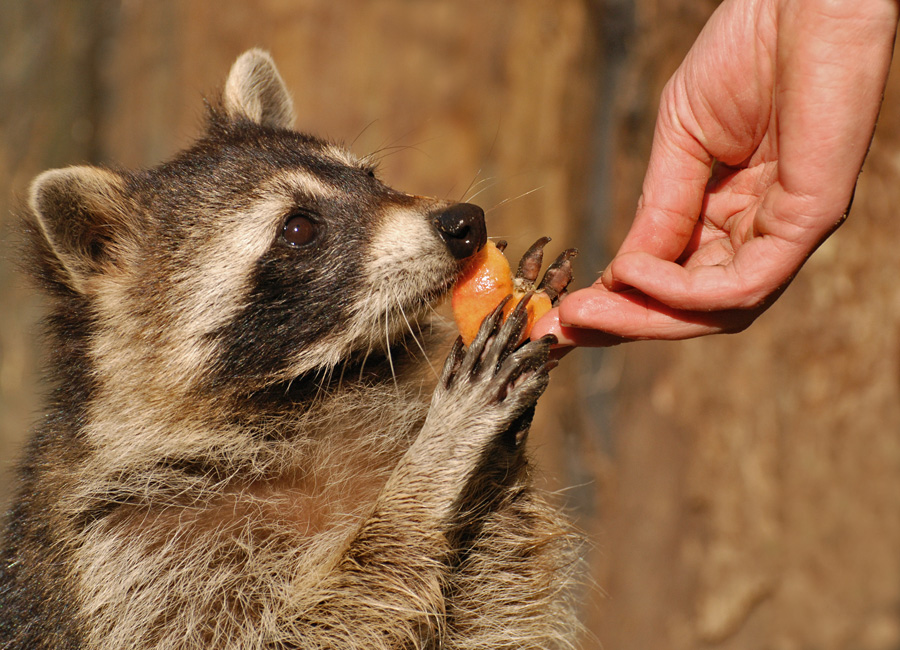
[{"x": 760, "y": 137}]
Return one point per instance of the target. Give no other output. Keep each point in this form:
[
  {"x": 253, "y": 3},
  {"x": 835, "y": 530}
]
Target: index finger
[{"x": 673, "y": 190}]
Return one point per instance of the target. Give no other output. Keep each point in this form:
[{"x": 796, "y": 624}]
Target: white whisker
[
  {"x": 514, "y": 198},
  {"x": 484, "y": 189},
  {"x": 341, "y": 376},
  {"x": 323, "y": 384},
  {"x": 474, "y": 184},
  {"x": 366, "y": 128},
  {"x": 362, "y": 366},
  {"x": 387, "y": 342},
  {"x": 413, "y": 334},
  {"x": 485, "y": 157}
]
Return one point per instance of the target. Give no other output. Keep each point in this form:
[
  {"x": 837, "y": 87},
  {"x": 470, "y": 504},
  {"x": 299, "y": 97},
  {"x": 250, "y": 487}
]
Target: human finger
[
  {"x": 632, "y": 315},
  {"x": 760, "y": 268},
  {"x": 567, "y": 337},
  {"x": 672, "y": 193}
]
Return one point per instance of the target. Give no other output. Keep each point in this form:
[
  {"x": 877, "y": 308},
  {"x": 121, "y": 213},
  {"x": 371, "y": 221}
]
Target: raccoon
[{"x": 245, "y": 445}]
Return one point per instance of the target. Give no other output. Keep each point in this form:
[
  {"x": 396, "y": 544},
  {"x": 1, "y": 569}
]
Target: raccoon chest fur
[{"x": 250, "y": 441}]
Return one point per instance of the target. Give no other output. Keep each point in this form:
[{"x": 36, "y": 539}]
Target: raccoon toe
[
  {"x": 558, "y": 275},
  {"x": 453, "y": 363},
  {"x": 525, "y": 373},
  {"x": 530, "y": 264},
  {"x": 496, "y": 340},
  {"x": 470, "y": 361},
  {"x": 508, "y": 337}
]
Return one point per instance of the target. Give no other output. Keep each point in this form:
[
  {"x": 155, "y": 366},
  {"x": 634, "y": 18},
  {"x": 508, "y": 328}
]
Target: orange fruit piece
[{"x": 482, "y": 285}]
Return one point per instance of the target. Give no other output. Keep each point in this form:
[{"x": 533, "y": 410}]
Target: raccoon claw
[
  {"x": 530, "y": 265},
  {"x": 520, "y": 426},
  {"x": 528, "y": 369},
  {"x": 453, "y": 362},
  {"x": 477, "y": 348},
  {"x": 558, "y": 275},
  {"x": 556, "y": 278},
  {"x": 509, "y": 334}
]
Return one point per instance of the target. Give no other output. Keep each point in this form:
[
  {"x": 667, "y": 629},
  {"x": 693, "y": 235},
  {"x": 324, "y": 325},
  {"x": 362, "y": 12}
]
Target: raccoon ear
[
  {"x": 81, "y": 212},
  {"x": 256, "y": 91}
]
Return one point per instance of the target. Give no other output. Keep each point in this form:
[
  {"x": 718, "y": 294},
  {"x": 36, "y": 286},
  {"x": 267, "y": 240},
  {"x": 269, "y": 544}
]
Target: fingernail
[{"x": 607, "y": 277}]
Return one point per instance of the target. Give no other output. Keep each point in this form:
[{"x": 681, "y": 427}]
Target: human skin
[{"x": 760, "y": 137}]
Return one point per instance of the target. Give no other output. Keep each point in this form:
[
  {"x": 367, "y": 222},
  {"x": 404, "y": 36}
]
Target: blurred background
[{"x": 739, "y": 491}]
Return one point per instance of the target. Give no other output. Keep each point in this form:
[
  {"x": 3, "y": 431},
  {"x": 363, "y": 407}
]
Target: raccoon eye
[{"x": 299, "y": 230}]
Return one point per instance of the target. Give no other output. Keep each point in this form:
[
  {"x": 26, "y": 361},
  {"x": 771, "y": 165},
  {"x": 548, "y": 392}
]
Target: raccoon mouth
[
  {"x": 441, "y": 289},
  {"x": 434, "y": 296},
  {"x": 409, "y": 305}
]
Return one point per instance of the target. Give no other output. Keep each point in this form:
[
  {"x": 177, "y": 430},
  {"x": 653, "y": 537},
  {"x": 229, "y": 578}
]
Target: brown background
[{"x": 740, "y": 492}]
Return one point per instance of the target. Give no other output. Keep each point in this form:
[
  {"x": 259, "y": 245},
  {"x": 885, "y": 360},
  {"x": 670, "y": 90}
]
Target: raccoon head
[{"x": 255, "y": 256}]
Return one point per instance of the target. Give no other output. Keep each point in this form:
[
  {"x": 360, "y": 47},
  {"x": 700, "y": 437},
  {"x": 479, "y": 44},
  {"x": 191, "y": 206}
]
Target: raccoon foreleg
[{"x": 399, "y": 564}]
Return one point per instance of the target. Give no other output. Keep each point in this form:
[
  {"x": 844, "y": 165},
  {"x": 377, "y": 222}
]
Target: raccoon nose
[{"x": 462, "y": 228}]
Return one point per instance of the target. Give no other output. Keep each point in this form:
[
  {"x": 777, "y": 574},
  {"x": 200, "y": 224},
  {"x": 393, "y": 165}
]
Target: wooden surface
[{"x": 740, "y": 491}]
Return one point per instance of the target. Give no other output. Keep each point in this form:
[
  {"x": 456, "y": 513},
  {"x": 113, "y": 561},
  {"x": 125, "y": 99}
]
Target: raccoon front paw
[{"x": 497, "y": 378}]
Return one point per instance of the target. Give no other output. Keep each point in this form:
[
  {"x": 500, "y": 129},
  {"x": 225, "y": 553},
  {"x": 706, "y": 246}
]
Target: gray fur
[{"x": 240, "y": 450}]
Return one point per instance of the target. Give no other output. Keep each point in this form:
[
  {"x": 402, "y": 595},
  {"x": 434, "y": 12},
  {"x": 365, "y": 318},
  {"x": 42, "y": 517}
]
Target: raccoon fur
[{"x": 245, "y": 446}]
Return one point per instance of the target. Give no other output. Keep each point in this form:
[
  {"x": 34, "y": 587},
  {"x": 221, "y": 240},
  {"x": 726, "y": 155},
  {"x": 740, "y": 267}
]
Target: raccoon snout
[{"x": 461, "y": 227}]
